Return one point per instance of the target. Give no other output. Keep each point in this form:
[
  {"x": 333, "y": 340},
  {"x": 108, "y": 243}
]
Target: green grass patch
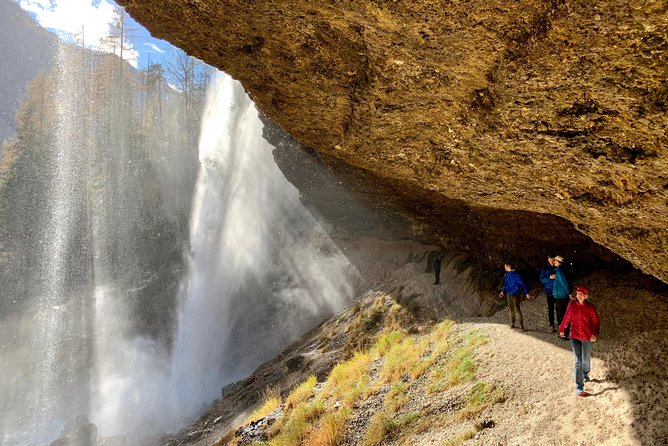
[
  {"x": 460, "y": 366},
  {"x": 481, "y": 396},
  {"x": 385, "y": 425},
  {"x": 443, "y": 357}
]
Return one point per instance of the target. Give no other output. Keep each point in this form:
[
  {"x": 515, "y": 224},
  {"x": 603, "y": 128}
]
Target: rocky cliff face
[{"x": 513, "y": 112}]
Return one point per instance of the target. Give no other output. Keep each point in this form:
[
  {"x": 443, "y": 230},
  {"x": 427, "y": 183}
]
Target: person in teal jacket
[
  {"x": 547, "y": 277},
  {"x": 561, "y": 292},
  {"x": 515, "y": 290}
]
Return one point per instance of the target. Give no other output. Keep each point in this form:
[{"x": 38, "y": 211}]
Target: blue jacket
[
  {"x": 545, "y": 274},
  {"x": 513, "y": 284},
  {"x": 560, "y": 289}
]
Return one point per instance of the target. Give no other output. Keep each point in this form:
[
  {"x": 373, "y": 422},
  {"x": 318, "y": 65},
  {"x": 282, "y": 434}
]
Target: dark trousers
[
  {"x": 437, "y": 274},
  {"x": 562, "y": 305},
  {"x": 550, "y": 308},
  {"x": 514, "y": 302}
]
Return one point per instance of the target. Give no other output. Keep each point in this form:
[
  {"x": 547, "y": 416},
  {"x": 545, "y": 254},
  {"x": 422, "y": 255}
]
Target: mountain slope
[{"x": 487, "y": 384}]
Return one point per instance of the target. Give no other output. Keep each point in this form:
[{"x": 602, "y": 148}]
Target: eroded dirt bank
[{"x": 629, "y": 369}]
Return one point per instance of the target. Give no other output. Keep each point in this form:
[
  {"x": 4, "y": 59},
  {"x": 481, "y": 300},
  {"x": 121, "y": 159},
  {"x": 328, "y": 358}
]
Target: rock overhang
[{"x": 554, "y": 108}]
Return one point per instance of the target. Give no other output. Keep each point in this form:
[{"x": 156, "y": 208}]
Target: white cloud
[
  {"x": 154, "y": 47},
  {"x": 68, "y": 18}
]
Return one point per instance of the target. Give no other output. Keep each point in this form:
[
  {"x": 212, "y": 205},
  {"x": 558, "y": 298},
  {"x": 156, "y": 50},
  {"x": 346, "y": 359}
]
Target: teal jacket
[{"x": 560, "y": 288}]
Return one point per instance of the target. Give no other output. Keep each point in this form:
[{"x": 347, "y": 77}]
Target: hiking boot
[
  {"x": 523, "y": 329},
  {"x": 512, "y": 325},
  {"x": 552, "y": 330},
  {"x": 583, "y": 394}
]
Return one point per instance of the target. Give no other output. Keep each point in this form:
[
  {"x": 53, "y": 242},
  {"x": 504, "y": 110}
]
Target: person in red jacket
[{"x": 582, "y": 317}]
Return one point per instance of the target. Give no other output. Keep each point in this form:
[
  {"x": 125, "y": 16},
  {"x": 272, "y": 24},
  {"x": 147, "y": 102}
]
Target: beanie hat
[{"x": 582, "y": 289}]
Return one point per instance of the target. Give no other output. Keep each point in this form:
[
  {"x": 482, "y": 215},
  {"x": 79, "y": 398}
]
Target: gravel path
[{"x": 629, "y": 389}]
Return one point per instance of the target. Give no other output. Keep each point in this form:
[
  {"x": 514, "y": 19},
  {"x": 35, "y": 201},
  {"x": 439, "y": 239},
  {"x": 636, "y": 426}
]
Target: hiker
[
  {"x": 561, "y": 292},
  {"x": 584, "y": 324},
  {"x": 515, "y": 290},
  {"x": 437, "y": 269},
  {"x": 547, "y": 276}
]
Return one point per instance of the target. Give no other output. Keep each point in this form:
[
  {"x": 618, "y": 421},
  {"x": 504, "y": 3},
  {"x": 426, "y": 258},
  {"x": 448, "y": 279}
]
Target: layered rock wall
[{"x": 549, "y": 107}]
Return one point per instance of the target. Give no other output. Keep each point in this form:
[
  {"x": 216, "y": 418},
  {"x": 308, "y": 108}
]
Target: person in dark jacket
[
  {"x": 515, "y": 290},
  {"x": 584, "y": 323},
  {"x": 437, "y": 269},
  {"x": 547, "y": 276},
  {"x": 561, "y": 292}
]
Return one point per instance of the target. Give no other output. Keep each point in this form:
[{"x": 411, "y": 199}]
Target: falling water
[
  {"x": 261, "y": 271},
  {"x": 51, "y": 339}
]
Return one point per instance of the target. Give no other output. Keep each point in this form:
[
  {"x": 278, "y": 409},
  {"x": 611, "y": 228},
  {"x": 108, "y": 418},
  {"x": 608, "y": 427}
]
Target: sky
[{"x": 67, "y": 18}]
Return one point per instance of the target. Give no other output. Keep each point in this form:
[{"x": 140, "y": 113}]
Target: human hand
[
  {"x": 593, "y": 339},
  {"x": 562, "y": 334},
  {"x": 553, "y": 276},
  {"x": 501, "y": 294}
]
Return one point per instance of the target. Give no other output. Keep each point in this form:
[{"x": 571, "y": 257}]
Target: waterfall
[{"x": 261, "y": 271}]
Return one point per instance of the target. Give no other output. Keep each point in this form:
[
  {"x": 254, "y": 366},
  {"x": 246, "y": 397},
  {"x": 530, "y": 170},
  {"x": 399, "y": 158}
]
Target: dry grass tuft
[
  {"x": 271, "y": 397},
  {"x": 302, "y": 392},
  {"x": 386, "y": 425},
  {"x": 320, "y": 418},
  {"x": 293, "y": 428},
  {"x": 268, "y": 407},
  {"x": 348, "y": 377},
  {"x": 330, "y": 429}
]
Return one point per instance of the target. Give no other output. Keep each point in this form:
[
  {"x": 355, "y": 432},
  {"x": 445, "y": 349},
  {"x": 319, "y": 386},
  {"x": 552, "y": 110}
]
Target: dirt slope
[
  {"x": 629, "y": 371},
  {"x": 629, "y": 368}
]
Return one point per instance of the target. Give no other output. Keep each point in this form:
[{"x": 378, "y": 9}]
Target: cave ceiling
[{"x": 552, "y": 107}]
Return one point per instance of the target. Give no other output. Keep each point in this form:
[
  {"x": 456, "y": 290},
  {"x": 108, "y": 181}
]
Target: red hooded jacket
[{"x": 583, "y": 320}]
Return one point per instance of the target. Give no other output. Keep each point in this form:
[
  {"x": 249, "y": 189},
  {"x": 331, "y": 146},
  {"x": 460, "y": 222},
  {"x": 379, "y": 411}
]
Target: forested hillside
[{"x": 25, "y": 50}]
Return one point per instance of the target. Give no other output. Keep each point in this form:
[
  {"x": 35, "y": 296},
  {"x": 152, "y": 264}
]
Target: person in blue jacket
[
  {"x": 561, "y": 292},
  {"x": 515, "y": 291},
  {"x": 547, "y": 276}
]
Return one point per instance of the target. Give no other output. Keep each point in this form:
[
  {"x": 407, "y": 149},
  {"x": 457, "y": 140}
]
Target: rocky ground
[
  {"x": 629, "y": 387},
  {"x": 534, "y": 368}
]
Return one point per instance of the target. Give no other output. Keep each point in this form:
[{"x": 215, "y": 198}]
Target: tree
[{"x": 192, "y": 77}]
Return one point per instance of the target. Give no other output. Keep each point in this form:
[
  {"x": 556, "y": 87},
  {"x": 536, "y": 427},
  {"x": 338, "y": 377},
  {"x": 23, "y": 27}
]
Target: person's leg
[
  {"x": 550, "y": 309},
  {"x": 562, "y": 305},
  {"x": 518, "y": 310},
  {"x": 579, "y": 375},
  {"x": 511, "y": 308},
  {"x": 560, "y": 315},
  {"x": 437, "y": 274},
  {"x": 586, "y": 359}
]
